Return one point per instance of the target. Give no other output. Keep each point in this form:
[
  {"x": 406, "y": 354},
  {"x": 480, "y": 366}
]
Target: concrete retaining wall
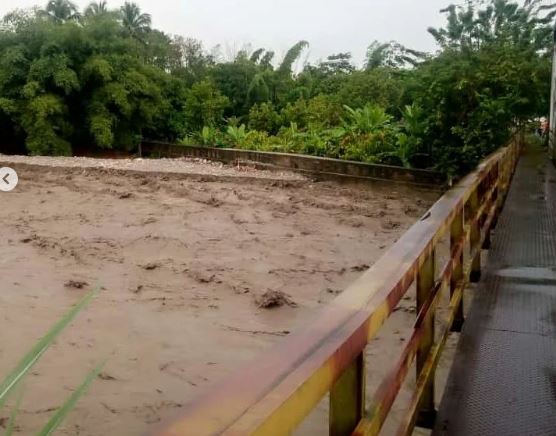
[{"x": 319, "y": 167}]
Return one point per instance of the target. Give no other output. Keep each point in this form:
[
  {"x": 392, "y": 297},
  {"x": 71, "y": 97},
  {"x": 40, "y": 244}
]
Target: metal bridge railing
[{"x": 278, "y": 390}]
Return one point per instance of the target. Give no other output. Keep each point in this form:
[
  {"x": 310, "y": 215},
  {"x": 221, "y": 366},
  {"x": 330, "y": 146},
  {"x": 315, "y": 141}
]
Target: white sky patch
[{"x": 330, "y": 26}]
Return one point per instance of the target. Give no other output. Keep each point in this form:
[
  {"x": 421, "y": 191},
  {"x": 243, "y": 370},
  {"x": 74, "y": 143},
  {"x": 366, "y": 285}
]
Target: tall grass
[
  {"x": 9, "y": 384},
  {"x": 70, "y": 403}
]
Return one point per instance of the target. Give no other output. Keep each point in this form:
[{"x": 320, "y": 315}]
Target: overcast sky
[{"x": 330, "y": 26}]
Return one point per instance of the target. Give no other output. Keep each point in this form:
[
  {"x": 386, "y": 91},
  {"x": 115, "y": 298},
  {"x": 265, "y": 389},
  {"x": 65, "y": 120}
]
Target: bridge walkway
[{"x": 503, "y": 381}]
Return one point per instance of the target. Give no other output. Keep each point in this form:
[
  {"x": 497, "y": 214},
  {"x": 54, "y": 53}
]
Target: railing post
[
  {"x": 475, "y": 236},
  {"x": 425, "y": 284},
  {"x": 494, "y": 183},
  {"x": 505, "y": 178},
  {"x": 502, "y": 168},
  {"x": 347, "y": 399},
  {"x": 456, "y": 237}
]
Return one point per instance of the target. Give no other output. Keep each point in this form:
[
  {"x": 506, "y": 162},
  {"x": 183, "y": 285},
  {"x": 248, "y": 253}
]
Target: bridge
[{"x": 503, "y": 377}]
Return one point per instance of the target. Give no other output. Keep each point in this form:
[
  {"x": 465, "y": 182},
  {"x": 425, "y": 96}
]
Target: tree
[
  {"x": 18, "y": 19},
  {"x": 60, "y": 11},
  {"x": 134, "y": 21},
  {"x": 392, "y": 55},
  {"x": 381, "y": 86},
  {"x": 233, "y": 80},
  {"x": 500, "y": 22},
  {"x": 256, "y": 55},
  {"x": 493, "y": 73},
  {"x": 291, "y": 57},
  {"x": 194, "y": 62},
  {"x": 204, "y": 106},
  {"x": 282, "y": 82},
  {"x": 258, "y": 90},
  {"x": 337, "y": 64},
  {"x": 63, "y": 84},
  {"x": 263, "y": 117},
  {"x": 96, "y": 9},
  {"x": 266, "y": 60},
  {"x": 110, "y": 80},
  {"x": 124, "y": 100},
  {"x": 328, "y": 76}
]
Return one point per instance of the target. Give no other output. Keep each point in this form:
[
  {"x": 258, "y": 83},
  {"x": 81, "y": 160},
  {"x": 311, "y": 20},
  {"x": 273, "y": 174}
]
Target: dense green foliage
[{"x": 104, "y": 79}]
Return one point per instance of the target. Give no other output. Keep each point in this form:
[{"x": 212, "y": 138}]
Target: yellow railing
[{"x": 277, "y": 391}]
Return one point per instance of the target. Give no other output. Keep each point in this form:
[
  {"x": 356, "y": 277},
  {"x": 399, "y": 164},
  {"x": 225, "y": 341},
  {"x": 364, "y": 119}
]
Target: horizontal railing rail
[{"x": 275, "y": 393}]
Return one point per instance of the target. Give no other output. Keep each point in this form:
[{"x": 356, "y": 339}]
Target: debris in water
[
  {"x": 150, "y": 266},
  {"x": 77, "y": 284},
  {"x": 105, "y": 376},
  {"x": 271, "y": 299}
]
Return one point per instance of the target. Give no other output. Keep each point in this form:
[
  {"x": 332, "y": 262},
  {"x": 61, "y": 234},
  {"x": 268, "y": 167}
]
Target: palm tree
[
  {"x": 61, "y": 11},
  {"x": 133, "y": 20},
  {"x": 291, "y": 57},
  {"x": 96, "y": 8},
  {"x": 391, "y": 54}
]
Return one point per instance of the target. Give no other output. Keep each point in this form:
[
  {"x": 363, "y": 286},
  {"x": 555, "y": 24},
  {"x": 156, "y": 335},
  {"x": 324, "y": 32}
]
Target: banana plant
[
  {"x": 237, "y": 134},
  {"x": 208, "y": 135},
  {"x": 368, "y": 119}
]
